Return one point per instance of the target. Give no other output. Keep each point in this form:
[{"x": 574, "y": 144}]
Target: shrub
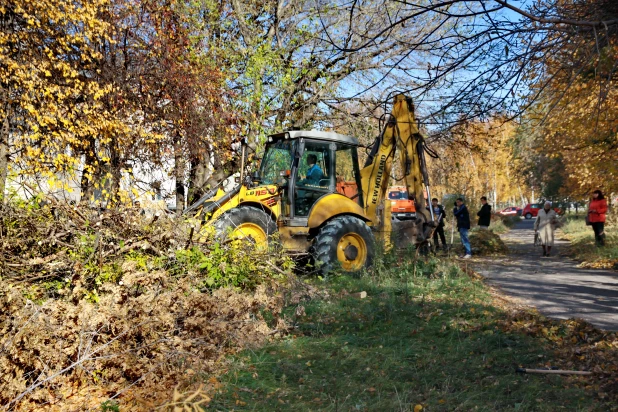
[{"x": 510, "y": 221}]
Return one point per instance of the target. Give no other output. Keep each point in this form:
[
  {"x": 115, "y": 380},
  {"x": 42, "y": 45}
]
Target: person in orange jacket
[{"x": 596, "y": 216}]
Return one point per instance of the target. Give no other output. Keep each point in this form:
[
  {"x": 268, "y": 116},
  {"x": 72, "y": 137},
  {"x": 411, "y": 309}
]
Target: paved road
[{"x": 555, "y": 286}]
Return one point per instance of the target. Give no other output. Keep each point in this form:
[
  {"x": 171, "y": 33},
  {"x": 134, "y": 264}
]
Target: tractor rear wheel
[
  {"x": 345, "y": 242},
  {"x": 248, "y": 223}
]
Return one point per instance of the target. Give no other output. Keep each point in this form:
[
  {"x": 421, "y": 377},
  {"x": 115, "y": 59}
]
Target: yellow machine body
[{"x": 344, "y": 210}]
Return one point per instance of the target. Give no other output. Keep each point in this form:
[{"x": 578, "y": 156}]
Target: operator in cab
[{"x": 314, "y": 173}]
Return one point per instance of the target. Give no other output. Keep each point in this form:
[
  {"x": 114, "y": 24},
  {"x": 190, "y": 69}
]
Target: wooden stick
[{"x": 553, "y": 371}]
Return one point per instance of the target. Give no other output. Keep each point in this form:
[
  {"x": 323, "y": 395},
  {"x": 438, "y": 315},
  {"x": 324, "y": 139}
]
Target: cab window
[
  {"x": 346, "y": 170},
  {"x": 313, "y": 179},
  {"x": 277, "y": 159},
  {"x": 314, "y": 168},
  {"x": 397, "y": 195}
]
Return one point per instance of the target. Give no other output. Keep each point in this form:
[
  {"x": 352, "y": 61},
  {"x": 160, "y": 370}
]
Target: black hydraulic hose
[
  {"x": 214, "y": 205},
  {"x": 420, "y": 149},
  {"x": 377, "y": 142},
  {"x": 200, "y": 201}
]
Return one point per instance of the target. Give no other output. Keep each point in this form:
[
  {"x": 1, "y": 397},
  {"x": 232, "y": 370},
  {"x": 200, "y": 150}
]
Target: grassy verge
[
  {"x": 583, "y": 246},
  {"x": 427, "y": 337}
]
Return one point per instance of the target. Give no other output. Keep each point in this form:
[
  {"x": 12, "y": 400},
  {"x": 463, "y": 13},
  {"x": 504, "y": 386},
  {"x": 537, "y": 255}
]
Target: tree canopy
[{"x": 120, "y": 95}]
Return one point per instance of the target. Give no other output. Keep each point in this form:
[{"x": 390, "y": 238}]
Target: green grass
[
  {"x": 582, "y": 242},
  {"x": 425, "y": 335}
]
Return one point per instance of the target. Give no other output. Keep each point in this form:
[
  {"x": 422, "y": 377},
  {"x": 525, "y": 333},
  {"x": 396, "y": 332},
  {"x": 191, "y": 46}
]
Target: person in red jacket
[{"x": 596, "y": 216}]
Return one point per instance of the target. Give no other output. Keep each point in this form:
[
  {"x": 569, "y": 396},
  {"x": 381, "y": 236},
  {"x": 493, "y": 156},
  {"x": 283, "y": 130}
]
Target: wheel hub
[
  {"x": 252, "y": 232},
  {"x": 350, "y": 252}
]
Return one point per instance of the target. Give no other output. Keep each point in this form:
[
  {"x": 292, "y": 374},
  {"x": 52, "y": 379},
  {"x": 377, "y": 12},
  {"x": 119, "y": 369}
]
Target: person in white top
[{"x": 544, "y": 226}]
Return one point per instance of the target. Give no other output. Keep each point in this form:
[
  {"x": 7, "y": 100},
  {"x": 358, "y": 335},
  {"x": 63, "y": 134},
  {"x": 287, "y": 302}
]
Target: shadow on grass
[
  {"x": 428, "y": 337},
  {"x": 584, "y": 249}
]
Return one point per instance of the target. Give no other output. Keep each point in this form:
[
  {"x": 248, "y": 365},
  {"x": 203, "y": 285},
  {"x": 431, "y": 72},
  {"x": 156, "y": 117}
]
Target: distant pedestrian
[
  {"x": 596, "y": 216},
  {"x": 463, "y": 225},
  {"x": 440, "y": 216},
  {"x": 544, "y": 226},
  {"x": 484, "y": 214}
]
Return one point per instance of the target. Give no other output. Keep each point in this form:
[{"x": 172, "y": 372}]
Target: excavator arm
[{"x": 400, "y": 133}]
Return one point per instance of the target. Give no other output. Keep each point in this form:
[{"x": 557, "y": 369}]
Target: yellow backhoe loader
[{"x": 311, "y": 191}]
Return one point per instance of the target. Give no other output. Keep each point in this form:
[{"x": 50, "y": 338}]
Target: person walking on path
[
  {"x": 544, "y": 226},
  {"x": 440, "y": 216},
  {"x": 596, "y": 216},
  {"x": 463, "y": 225},
  {"x": 484, "y": 214}
]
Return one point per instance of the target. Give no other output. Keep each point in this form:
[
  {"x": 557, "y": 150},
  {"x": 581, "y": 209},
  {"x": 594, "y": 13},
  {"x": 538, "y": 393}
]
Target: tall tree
[{"x": 50, "y": 103}]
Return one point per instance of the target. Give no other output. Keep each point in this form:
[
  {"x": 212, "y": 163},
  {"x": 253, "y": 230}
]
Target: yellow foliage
[
  {"x": 583, "y": 130},
  {"x": 478, "y": 161}
]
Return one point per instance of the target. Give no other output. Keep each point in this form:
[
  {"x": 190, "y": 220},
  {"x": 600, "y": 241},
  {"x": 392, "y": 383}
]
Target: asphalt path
[{"x": 555, "y": 285}]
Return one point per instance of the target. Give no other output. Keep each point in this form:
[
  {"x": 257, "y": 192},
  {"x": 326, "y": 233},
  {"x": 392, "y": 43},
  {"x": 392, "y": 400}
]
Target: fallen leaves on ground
[
  {"x": 577, "y": 344},
  {"x": 600, "y": 264}
]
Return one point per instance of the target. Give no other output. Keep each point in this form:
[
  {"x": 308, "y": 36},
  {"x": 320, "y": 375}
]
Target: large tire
[
  {"x": 528, "y": 216},
  {"x": 345, "y": 242},
  {"x": 246, "y": 222}
]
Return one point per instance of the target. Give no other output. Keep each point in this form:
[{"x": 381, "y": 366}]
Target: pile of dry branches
[
  {"x": 37, "y": 240},
  {"x": 73, "y": 336}
]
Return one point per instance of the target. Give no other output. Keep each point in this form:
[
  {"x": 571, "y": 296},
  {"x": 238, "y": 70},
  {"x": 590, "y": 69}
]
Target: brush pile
[
  {"x": 98, "y": 308},
  {"x": 486, "y": 242}
]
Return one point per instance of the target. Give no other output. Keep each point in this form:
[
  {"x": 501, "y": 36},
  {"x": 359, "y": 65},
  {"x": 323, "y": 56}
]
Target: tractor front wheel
[
  {"x": 345, "y": 242},
  {"x": 246, "y": 223}
]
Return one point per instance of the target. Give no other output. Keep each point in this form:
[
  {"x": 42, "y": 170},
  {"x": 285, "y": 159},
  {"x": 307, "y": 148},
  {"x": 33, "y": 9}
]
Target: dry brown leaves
[
  {"x": 145, "y": 336},
  {"x": 142, "y": 341},
  {"x": 600, "y": 263},
  {"x": 577, "y": 345}
]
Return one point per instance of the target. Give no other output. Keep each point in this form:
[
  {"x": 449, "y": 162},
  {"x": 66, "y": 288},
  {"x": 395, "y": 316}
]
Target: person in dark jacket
[
  {"x": 463, "y": 225},
  {"x": 440, "y": 216},
  {"x": 484, "y": 214}
]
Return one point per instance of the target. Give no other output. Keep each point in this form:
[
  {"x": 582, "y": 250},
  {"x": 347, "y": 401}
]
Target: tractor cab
[
  {"x": 308, "y": 166},
  {"x": 311, "y": 197}
]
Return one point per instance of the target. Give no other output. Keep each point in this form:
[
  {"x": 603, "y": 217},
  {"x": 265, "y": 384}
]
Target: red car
[
  {"x": 510, "y": 211},
  {"x": 531, "y": 210}
]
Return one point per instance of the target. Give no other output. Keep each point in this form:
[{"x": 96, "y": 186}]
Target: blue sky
[{"x": 350, "y": 87}]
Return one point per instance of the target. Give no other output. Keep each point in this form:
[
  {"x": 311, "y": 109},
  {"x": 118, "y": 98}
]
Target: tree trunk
[
  {"x": 198, "y": 175},
  {"x": 4, "y": 153},
  {"x": 115, "y": 165},
  {"x": 90, "y": 162},
  {"x": 521, "y": 195},
  {"x": 179, "y": 173}
]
